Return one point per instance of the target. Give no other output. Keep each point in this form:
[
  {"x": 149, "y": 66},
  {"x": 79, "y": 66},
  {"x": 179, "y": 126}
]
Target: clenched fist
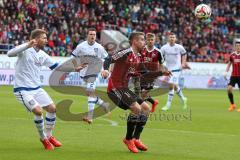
[{"x": 105, "y": 73}]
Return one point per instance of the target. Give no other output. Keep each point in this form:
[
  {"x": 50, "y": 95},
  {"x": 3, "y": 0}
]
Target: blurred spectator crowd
[{"x": 68, "y": 20}]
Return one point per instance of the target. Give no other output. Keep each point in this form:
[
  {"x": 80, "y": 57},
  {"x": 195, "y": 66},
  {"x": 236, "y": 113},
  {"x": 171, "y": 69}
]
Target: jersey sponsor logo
[
  {"x": 147, "y": 59},
  {"x": 236, "y": 60},
  {"x": 171, "y": 53}
]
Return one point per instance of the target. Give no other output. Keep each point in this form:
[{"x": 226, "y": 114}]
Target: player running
[
  {"x": 152, "y": 59},
  {"x": 126, "y": 65},
  {"x": 92, "y": 52},
  {"x": 235, "y": 76},
  {"x": 27, "y": 83},
  {"x": 175, "y": 57}
]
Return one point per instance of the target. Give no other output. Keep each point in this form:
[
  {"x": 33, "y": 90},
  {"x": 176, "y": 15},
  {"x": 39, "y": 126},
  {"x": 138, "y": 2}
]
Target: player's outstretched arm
[
  {"x": 19, "y": 49},
  {"x": 80, "y": 67},
  {"x": 155, "y": 74},
  {"x": 77, "y": 68}
]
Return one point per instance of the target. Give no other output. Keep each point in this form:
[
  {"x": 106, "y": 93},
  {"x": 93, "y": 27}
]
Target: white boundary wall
[{"x": 202, "y": 75}]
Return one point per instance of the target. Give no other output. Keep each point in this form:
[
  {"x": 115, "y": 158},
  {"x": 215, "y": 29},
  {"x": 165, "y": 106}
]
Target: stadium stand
[{"x": 67, "y": 21}]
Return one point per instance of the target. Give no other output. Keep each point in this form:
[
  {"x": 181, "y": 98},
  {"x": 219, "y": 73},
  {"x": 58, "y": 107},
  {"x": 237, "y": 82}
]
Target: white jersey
[
  {"x": 84, "y": 49},
  {"x": 29, "y": 63},
  {"x": 172, "y": 55}
]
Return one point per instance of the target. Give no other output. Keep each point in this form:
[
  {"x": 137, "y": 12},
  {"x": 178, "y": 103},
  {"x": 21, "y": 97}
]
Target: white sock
[
  {"x": 91, "y": 104},
  {"x": 99, "y": 101},
  {"x": 39, "y": 122},
  {"x": 50, "y": 123},
  {"x": 179, "y": 93},
  {"x": 170, "y": 97},
  {"x": 105, "y": 106}
]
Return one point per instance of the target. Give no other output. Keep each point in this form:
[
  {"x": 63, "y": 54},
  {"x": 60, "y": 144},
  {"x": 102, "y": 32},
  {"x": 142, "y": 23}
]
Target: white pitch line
[{"x": 113, "y": 123}]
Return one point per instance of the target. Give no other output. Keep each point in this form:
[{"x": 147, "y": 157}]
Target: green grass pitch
[{"x": 208, "y": 132}]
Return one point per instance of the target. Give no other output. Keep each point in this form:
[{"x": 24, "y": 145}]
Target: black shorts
[
  {"x": 124, "y": 98},
  {"x": 234, "y": 80}
]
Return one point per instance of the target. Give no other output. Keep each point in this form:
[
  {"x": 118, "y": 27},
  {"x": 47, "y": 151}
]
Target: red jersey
[
  {"x": 235, "y": 60},
  {"x": 152, "y": 59},
  {"x": 126, "y": 64}
]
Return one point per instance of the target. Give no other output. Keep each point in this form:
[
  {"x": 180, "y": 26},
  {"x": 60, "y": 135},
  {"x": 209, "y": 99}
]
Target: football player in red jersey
[
  {"x": 126, "y": 65},
  {"x": 152, "y": 59},
  {"x": 234, "y": 60}
]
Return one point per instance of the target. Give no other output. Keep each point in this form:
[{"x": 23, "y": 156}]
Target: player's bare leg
[
  {"x": 39, "y": 122},
  {"x": 50, "y": 124},
  {"x": 231, "y": 99}
]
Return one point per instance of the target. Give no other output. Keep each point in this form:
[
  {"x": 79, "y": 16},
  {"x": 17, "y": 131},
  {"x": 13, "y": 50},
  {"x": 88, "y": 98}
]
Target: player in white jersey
[
  {"x": 175, "y": 57},
  {"x": 27, "y": 88},
  {"x": 89, "y": 51}
]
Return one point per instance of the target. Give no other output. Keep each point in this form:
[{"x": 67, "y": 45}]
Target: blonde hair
[{"x": 36, "y": 33}]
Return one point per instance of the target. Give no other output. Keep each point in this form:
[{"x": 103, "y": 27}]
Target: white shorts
[
  {"x": 90, "y": 83},
  {"x": 174, "y": 79},
  {"x": 34, "y": 98},
  {"x": 91, "y": 86}
]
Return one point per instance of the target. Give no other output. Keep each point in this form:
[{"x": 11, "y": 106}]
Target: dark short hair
[
  {"x": 150, "y": 35},
  {"x": 91, "y": 29},
  {"x": 135, "y": 35},
  {"x": 171, "y": 34},
  {"x": 36, "y": 33}
]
